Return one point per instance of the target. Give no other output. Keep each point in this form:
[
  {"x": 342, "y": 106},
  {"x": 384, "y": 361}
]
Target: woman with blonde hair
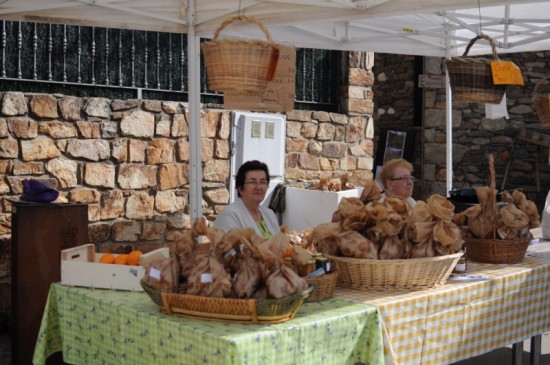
[{"x": 396, "y": 176}]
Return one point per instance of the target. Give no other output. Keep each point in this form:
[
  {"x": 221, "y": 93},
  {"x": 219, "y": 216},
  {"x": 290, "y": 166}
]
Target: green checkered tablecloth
[{"x": 94, "y": 326}]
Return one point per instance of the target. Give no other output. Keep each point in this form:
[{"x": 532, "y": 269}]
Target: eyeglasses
[
  {"x": 262, "y": 183},
  {"x": 410, "y": 178}
]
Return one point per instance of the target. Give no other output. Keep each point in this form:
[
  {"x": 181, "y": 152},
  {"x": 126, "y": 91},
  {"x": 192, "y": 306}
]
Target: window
[{"x": 119, "y": 63}]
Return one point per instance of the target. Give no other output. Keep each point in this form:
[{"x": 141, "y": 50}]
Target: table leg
[
  {"x": 517, "y": 353},
  {"x": 534, "y": 358}
]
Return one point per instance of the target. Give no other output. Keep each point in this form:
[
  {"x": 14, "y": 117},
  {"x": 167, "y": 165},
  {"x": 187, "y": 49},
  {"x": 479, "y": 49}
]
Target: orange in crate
[
  {"x": 133, "y": 257},
  {"x": 107, "y": 258},
  {"x": 122, "y": 259}
]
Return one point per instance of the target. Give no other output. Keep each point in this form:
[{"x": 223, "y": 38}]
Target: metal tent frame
[{"x": 440, "y": 28}]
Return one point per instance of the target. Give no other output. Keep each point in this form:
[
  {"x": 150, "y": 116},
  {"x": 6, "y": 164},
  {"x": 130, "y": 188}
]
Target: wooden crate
[{"x": 80, "y": 267}]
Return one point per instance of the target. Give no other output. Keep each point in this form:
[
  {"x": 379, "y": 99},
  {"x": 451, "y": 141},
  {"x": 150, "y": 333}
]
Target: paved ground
[{"x": 501, "y": 356}]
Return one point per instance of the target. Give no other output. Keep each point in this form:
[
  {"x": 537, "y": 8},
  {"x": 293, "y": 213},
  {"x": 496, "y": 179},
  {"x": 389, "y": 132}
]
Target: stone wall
[
  {"x": 128, "y": 159},
  {"x": 474, "y": 135}
]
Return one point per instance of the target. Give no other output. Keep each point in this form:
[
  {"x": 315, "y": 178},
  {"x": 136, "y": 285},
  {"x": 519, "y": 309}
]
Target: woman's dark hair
[{"x": 253, "y": 165}]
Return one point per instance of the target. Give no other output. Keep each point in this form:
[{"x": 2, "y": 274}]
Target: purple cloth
[{"x": 35, "y": 191}]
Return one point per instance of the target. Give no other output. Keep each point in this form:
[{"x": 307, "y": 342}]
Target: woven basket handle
[
  {"x": 487, "y": 38},
  {"x": 247, "y": 18},
  {"x": 539, "y": 83}
]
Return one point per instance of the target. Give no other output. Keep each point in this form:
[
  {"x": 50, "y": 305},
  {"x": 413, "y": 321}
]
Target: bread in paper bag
[
  {"x": 354, "y": 244},
  {"x": 280, "y": 280},
  {"x": 207, "y": 275}
]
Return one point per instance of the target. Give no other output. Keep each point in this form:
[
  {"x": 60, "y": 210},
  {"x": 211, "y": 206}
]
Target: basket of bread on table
[
  {"x": 378, "y": 243},
  {"x": 498, "y": 233},
  {"x": 233, "y": 276}
]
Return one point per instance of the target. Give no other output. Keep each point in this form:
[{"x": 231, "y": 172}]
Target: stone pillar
[
  {"x": 357, "y": 94},
  {"x": 357, "y": 103}
]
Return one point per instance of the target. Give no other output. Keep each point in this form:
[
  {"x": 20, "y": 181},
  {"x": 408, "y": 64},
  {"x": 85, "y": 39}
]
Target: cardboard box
[
  {"x": 307, "y": 208},
  {"x": 80, "y": 267}
]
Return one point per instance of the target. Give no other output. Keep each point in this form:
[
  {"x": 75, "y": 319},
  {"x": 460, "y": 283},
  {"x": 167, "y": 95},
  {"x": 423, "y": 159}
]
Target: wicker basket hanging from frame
[
  {"x": 471, "y": 78},
  {"x": 541, "y": 102},
  {"x": 238, "y": 65}
]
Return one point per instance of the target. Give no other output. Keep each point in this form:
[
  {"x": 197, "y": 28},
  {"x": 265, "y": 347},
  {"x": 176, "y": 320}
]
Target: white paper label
[
  {"x": 206, "y": 277},
  {"x": 230, "y": 253},
  {"x": 202, "y": 239},
  {"x": 501, "y": 234},
  {"x": 154, "y": 273}
]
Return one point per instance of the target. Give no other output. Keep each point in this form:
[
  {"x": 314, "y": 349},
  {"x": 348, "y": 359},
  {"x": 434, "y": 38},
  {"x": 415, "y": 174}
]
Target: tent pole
[
  {"x": 195, "y": 169},
  {"x": 449, "y": 128}
]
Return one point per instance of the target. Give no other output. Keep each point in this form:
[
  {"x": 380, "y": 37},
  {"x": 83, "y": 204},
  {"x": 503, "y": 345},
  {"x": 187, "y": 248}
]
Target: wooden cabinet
[{"x": 39, "y": 233}]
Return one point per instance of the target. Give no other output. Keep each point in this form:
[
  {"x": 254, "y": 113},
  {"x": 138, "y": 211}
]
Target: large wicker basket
[
  {"x": 228, "y": 309},
  {"x": 324, "y": 286},
  {"x": 496, "y": 251},
  {"x": 471, "y": 77},
  {"x": 239, "y": 65},
  {"x": 541, "y": 102},
  {"x": 421, "y": 273}
]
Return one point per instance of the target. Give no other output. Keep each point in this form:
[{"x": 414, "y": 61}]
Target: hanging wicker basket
[
  {"x": 238, "y": 65},
  {"x": 471, "y": 78},
  {"x": 541, "y": 102}
]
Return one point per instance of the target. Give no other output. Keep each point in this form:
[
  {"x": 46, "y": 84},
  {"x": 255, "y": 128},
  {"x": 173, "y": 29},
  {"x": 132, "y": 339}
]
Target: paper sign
[
  {"x": 431, "y": 81},
  {"x": 279, "y": 94},
  {"x": 506, "y": 73}
]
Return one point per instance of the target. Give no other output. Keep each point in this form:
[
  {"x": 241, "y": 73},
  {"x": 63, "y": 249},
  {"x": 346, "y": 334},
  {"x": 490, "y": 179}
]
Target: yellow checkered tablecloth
[{"x": 463, "y": 319}]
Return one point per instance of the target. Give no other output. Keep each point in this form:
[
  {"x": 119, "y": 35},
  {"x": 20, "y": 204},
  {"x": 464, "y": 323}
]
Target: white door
[{"x": 257, "y": 136}]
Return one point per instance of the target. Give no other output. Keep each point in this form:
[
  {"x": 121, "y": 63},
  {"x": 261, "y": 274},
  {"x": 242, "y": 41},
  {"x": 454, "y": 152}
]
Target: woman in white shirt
[{"x": 252, "y": 181}]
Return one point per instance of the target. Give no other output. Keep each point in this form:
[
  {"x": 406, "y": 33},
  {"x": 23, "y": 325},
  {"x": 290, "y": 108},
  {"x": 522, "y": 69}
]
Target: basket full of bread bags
[
  {"x": 304, "y": 258},
  {"x": 498, "y": 234},
  {"x": 385, "y": 244},
  {"x": 234, "y": 276}
]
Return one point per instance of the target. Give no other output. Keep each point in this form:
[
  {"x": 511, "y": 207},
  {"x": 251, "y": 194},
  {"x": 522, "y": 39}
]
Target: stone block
[
  {"x": 139, "y": 206},
  {"x": 57, "y": 130},
  {"x": 138, "y": 124},
  {"x": 159, "y": 151},
  {"x": 44, "y": 106}
]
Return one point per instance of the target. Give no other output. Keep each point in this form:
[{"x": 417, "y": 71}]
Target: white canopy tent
[{"x": 440, "y": 28}]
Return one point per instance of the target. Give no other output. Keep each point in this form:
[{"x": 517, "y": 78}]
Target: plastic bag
[
  {"x": 36, "y": 191},
  {"x": 497, "y": 111}
]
